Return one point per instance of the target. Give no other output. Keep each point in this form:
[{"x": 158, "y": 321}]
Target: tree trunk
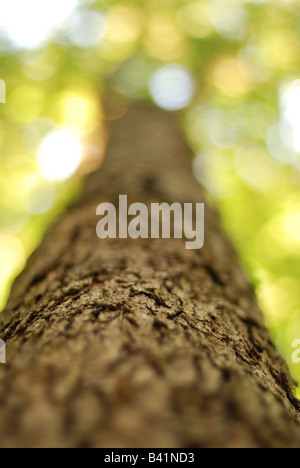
[{"x": 140, "y": 343}]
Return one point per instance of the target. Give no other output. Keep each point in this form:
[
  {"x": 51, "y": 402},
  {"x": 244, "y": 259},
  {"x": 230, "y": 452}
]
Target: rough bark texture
[{"x": 140, "y": 343}]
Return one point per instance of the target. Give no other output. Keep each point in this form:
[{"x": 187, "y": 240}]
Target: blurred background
[{"x": 230, "y": 67}]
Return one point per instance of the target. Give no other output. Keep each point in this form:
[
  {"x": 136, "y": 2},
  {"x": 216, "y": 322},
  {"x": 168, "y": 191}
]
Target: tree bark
[{"x": 140, "y": 343}]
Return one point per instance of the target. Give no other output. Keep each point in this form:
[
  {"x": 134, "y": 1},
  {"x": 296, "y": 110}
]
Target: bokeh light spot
[
  {"x": 59, "y": 155},
  {"x": 87, "y": 28},
  {"x": 255, "y": 166},
  {"x": 41, "y": 199},
  {"x": 28, "y": 24},
  {"x": 12, "y": 260},
  {"x": 172, "y": 87},
  {"x": 292, "y": 225},
  {"x": 290, "y": 109},
  {"x": 229, "y": 77},
  {"x": 194, "y": 20}
]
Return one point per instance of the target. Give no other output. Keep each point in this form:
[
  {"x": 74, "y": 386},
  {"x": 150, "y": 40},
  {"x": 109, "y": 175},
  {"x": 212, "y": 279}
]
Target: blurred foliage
[{"x": 232, "y": 65}]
